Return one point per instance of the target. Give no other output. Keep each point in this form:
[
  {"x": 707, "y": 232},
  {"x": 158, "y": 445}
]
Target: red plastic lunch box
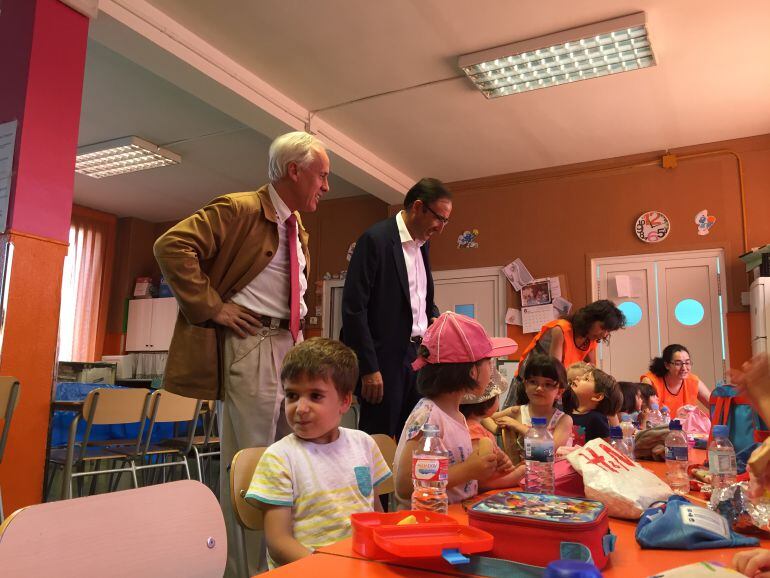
[
  {"x": 532, "y": 528},
  {"x": 378, "y": 535}
]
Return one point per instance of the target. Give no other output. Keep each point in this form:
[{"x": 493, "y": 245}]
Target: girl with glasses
[
  {"x": 671, "y": 376},
  {"x": 544, "y": 380}
]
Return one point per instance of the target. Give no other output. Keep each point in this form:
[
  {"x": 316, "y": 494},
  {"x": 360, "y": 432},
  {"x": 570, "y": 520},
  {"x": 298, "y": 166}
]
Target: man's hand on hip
[
  {"x": 240, "y": 320},
  {"x": 372, "y": 387}
]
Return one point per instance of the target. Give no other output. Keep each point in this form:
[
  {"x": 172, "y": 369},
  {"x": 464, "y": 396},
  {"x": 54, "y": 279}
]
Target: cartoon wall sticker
[
  {"x": 704, "y": 222},
  {"x": 467, "y": 240},
  {"x": 350, "y": 250},
  {"x": 652, "y": 227}
]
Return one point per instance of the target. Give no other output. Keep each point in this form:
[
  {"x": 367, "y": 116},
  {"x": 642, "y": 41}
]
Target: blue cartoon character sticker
[
  {"x": 364, "y": 480},
  {"x": 704, "y": 222},
  {"x": 467, "y": 240}
]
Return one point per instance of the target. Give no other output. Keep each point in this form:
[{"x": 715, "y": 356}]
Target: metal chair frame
[
  {"x": 9, "y": 391},
  {"x": 79, "y": 453}
]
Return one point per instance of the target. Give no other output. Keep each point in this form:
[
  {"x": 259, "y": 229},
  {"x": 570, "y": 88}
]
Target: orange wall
[{"x": 556, "y": 220}]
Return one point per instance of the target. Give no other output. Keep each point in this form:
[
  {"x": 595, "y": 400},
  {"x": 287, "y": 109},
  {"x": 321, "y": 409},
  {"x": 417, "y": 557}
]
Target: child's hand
[
  {"x": 753, "y": 377},
  {"x": 752, "y": 563},
  {"x": 509, "y": 422},
  {"x": 481, "y": 467},
  {"x": 759, "y": 468},
  {"x": 643, "y": 415},
  {"x": 504, "y": 464}
]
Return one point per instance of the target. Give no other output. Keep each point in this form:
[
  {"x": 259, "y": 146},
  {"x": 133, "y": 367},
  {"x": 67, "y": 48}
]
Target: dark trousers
[{"x": 399, "y": 398}]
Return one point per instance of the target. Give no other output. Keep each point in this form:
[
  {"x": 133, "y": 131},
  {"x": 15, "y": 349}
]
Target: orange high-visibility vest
[
  {"x": 571, "y": 353},
  {"x": 688, "y": 395}
]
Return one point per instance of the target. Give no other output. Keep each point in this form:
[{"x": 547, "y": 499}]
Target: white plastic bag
[{"x": 621, "y": 484}]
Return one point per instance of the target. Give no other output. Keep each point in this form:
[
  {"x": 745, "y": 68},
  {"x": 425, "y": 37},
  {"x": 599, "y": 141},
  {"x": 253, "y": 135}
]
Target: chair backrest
[
  {"x": 9, "y": 398},
  {"x": 241, "y": 471},
  {"x": 172, "y": 529},
  {"x": 388, "y": 450},
  {"x": 170, "y": 407},
  {"x": 116, "y": 406}
]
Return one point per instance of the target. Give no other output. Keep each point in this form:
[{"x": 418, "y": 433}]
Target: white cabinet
[{"x": 150, "y": 324}]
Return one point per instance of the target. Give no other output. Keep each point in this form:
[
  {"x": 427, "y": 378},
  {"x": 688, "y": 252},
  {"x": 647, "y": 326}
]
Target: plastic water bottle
[
  {"x": 654, "y": 417},
  {"x": 538, "y": 456},
  {"x": 617, "y": 441},
  {"x": 722, "y": 464},
  {"x": 629, "y": 432},
  {"x": 665, "y": 415},
  {"x": 430, "y": 467},
  {"x": 677, "y": 459}
]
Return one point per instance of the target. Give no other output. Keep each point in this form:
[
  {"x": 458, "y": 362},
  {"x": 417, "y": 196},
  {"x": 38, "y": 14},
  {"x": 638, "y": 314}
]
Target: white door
[
  {"x": 139, "y": 323},
  {"x": 667, "y": 298},
  {"x": 477, "y": 293},
  {"x": 164, "y": 313},
  {"x": 630, "y": 350}
]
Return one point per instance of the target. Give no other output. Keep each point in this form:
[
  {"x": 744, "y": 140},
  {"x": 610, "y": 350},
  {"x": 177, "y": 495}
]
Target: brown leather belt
[{"x": 275, "y": 323}]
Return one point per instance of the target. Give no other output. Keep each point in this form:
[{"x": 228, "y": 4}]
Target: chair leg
[
  {"x": 2, "y": 515},
  {"x": 133, "y": 473}
]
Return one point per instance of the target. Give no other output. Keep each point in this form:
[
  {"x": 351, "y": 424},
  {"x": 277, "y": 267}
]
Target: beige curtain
[{"x": 86, "y": 285}]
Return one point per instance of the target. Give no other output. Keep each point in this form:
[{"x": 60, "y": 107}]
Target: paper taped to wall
[
  {"x": 517, "y": 274},
  {"x": 513, "y": 316}
]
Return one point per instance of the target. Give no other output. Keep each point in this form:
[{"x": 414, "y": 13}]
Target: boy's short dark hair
[
  {"x": 647, "y": 392},
  {"x": 477, "y": 409},
  {"x": 613, "y": 397},
  {"x": 323, "y": 358}
]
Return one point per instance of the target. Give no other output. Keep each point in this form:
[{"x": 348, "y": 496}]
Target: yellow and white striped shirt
[{"x": 322, "y": 483}]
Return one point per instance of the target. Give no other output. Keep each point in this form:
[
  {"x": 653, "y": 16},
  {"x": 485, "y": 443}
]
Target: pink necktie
[{"x": 291, "y": 233}]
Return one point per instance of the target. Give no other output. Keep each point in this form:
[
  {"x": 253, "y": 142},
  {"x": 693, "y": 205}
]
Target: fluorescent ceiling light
[
  {"x": 123, "y": 155},
  {"x": 581, "y": 53}
]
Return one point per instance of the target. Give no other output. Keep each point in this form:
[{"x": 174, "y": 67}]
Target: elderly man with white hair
[{"x": 237, "y": 268}]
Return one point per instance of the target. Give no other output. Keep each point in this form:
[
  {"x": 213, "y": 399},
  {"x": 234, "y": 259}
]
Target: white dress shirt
[
  {"x": 418, "y": 279},
  {"x": 268, "y": 292}
]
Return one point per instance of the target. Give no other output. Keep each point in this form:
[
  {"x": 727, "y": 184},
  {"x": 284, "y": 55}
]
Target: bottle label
[
  {"x": 677, "y": 453},
  {"x": 538, "y": 452},
  {"x": 430, "y": 468},
  {"x": 721, "y": 463}
]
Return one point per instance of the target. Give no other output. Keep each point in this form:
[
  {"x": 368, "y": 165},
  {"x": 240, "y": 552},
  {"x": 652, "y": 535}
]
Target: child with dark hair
[
  {"x": 544, "y": 381},
  {"x": 649, "y": 396},
  {"x": 455, "y": 359},
  {"x": 632, "y": 398},
  {"x": 476, "y": 407},
  {"x": 593, "y": 397},
  {"x": 311, "y": 481}
]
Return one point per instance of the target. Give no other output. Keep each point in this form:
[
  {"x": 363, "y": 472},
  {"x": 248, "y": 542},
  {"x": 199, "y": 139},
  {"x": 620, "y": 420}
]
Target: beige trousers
[{"x": 251, "y": 415}]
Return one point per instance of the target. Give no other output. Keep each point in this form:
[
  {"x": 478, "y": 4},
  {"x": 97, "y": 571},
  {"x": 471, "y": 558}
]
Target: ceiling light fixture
[
  {"x": 607, "y": 47},
  {"x": 123, "y": 155}
]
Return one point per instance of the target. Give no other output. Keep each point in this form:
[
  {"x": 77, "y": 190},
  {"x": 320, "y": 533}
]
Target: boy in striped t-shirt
[{"x": 310, "y": 482}]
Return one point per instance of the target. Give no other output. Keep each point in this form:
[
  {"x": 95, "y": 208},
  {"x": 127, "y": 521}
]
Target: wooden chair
[
  {"x": 102, "y": 407},
  {"x": 510, "y": 445},
  {"x": 249, "y": 517},
  {"x": 204, "y": 447},
  {"x": 173, "y": 529},
  {"x": 9, "y": 397},
  {"x": 388, "y": 450},
  {"x": 167, "y": 407}
]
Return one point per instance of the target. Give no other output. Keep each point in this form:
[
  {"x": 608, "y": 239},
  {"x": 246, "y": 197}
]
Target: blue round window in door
[
  {"x": 632, "y": 312},
  {"x": 689, "y": 312}
]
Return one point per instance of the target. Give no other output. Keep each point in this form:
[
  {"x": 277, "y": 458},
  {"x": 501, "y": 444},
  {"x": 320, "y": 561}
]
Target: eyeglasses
[
  {"x": 679, "y": 364},
  {"x": 442, "y": 219},
  {"x": 546, "y": 385}
]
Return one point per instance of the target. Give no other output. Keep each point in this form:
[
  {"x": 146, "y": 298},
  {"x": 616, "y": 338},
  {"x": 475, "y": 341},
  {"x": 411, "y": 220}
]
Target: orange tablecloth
[{"x": 628, "y": 560}]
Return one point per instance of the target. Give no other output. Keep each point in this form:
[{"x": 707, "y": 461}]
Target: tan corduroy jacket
[{"x": 206, "y": 259}]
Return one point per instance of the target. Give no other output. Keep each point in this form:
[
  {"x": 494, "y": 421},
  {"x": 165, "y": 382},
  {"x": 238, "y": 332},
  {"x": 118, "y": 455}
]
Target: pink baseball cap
[{"x": 455, "y": 338}]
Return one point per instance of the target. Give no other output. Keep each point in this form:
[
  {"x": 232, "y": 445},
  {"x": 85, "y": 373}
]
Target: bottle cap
[
  {"x": 571, "y": 569},
  {"x": 653, "y": 406},
  {"x": 429, "y": 429},
  {"x": 616, "y": 432},
  {"x": 721, "y": 431},
  {"x": 664, "y": 408},
  {"x": 538, "y": 421},
  {"x": 625, "y": 417},
  {"x": 675, "y": 424}
]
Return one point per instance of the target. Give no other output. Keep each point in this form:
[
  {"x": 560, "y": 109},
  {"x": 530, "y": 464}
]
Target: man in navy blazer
[{"x": 387, "y": 304}]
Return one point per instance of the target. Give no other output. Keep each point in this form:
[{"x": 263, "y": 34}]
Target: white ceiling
[
  {"x": 219, "y": 154},
  {"x": 711, "y": 83}
]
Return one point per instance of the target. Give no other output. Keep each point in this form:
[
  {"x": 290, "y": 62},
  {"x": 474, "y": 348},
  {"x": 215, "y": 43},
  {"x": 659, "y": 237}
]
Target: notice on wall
[
  {"x": 517, "y": 274},
  {"x": 513, "y": 316},
  {"x": 628, "y": 286},
  {"x": 7, "y": 145}
]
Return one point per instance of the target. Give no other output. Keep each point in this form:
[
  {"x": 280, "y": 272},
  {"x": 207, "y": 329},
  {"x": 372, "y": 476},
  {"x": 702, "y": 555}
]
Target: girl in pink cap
[{"x": 455, "y": 358}]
